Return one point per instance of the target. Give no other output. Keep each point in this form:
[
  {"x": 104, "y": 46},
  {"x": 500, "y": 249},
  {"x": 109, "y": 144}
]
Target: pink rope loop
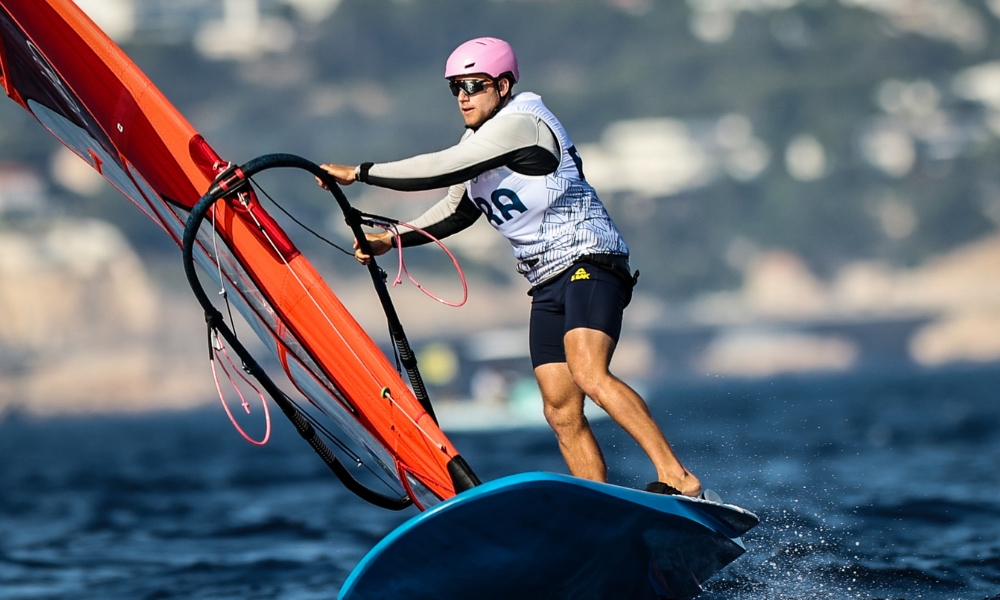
[
  {"x": 399, "y": 245},
  {"x": 243, "y": 400},
  {"x": 402, "y": 265}
]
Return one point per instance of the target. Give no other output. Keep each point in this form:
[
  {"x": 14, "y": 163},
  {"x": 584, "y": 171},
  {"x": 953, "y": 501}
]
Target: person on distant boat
[{"x": 517, "y": 165}]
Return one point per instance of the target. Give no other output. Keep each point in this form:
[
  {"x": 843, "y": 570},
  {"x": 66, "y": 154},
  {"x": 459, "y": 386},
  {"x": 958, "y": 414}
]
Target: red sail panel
[{"x": 58, "y": 65}]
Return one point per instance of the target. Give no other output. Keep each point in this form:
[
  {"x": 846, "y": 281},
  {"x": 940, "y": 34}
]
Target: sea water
[{"x": 879, "y": 485}]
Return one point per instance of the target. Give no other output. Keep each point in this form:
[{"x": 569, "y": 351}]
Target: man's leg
[
  {"x": 563, "y": 401},
  {"x": 588, "y": 354}
]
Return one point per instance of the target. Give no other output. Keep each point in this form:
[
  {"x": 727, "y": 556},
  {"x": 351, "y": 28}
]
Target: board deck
[{"x": 543, "y": 535}]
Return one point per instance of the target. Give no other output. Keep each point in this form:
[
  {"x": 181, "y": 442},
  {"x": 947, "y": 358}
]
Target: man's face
[{"x": 477, "y": 106}]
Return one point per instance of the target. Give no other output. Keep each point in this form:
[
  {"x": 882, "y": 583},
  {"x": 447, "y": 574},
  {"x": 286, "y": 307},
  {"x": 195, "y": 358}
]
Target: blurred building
[
  {"x": 220, "y": 29},
  {"x": 21, "y": 190}
]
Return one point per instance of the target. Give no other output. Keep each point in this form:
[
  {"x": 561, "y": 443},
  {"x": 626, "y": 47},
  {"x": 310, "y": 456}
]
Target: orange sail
[{"x": 59, "y": 66}]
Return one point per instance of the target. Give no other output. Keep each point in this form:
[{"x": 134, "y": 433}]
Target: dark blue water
[{"x": 874, "y": 486}]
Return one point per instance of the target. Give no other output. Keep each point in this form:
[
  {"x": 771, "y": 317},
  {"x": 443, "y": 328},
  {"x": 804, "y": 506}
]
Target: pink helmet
[{"x": 491, "y": 56}]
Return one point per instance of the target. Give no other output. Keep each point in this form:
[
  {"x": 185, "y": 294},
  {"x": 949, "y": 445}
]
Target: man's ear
[{"x": 503, "y": 86}]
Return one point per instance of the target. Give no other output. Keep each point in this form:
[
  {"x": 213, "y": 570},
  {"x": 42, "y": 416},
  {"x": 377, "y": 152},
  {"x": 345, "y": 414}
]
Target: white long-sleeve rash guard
[{"x": 519, "y": 141}]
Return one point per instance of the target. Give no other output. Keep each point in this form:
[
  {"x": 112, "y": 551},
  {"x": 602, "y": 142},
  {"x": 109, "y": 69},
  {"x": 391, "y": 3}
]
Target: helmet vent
[{"x": 470, "y": 65}]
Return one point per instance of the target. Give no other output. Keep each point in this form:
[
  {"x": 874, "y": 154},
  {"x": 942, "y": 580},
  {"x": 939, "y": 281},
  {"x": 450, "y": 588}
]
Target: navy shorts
[{"x": 585, "y": 295}]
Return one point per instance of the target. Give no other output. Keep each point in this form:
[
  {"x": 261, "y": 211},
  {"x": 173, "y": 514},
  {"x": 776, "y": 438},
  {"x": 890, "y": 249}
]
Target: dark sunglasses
[{"x": 469, "y": 86}]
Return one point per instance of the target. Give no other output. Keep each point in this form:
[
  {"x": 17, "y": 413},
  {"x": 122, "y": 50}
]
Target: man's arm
[
  {"x": 519, "y": 141},
  {"x": 452, "y": 214}
]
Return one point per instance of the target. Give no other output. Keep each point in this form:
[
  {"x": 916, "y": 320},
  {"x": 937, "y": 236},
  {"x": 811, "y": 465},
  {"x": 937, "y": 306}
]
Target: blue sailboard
[{"x": 548, "y": 536}]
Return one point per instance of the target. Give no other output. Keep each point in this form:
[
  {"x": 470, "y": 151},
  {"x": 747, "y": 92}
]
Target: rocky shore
[
  {"x": 957, "y": 295},
  {"x": 85, "y": 329}
]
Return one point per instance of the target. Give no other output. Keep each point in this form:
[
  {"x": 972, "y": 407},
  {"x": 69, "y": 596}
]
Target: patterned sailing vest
[{"x": 550, "y": 220}]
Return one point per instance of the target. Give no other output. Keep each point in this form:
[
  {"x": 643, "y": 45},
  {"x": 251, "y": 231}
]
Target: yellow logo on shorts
[{"x": 581, "y": 273}]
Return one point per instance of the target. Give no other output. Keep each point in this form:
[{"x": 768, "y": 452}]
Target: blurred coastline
[
  {"x": 89, "y": 329},
  {"x": 807, "y": 187}
]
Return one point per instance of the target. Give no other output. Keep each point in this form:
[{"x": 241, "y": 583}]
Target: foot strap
[{"x": 658, "y": 487}]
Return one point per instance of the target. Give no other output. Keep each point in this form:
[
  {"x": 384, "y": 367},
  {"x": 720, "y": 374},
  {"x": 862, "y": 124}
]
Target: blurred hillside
[
  {"x": 837, "y": 130},
  {"x": 855, "y": 140}
]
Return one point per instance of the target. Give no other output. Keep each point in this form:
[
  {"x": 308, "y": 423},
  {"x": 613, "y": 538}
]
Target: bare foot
[{"x": 689, "y": 485}]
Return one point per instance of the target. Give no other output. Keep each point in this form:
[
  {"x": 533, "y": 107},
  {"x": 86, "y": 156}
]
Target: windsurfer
[{"x": 517, "y": 165}]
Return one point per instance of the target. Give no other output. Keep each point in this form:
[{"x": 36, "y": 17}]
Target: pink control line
[
  {"x": 402, "y": 266},
  {"x": 243, "y": 400}
]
